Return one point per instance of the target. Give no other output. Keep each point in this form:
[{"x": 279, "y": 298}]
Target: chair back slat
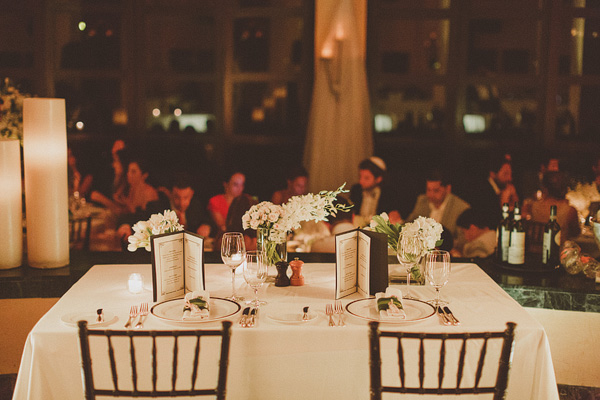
[
  {"x": 113, "y": 364},
  {"x": 481, "y": 339},
  {"x": 87, "y": 373},
  {"x": 480, "y": 362},
  {"x": 134, "y": 376},
  {"x": 442, "y": 363}
]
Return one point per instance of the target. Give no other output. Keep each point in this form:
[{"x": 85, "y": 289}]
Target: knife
[
  {"x": 252, "y": 319},
  {"x": 305, "y": 314},
  {"x": 451, "y": 316},
  {"x": 244, "y": 316},
  {"x": 444, "y": 317}
]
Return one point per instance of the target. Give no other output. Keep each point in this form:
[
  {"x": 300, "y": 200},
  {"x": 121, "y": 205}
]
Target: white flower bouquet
[{"x": 157, "y": 224}]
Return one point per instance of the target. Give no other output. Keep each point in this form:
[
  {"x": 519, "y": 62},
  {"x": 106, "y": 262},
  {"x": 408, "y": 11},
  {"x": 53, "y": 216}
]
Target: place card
[
  {"x": 177, "y": 264},
  {"x": 361, "y": 263}
]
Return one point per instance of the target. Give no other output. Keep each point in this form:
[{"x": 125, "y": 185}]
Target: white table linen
[{"x": 276, "y": 360}]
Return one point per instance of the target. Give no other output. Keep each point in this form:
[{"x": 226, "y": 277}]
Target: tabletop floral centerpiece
[
  {"x": 11, "y": 111},
  {"x": 273, "y": 222},
  {"x": 427, "y": 230},
  {"x": 157, "y": 224}
]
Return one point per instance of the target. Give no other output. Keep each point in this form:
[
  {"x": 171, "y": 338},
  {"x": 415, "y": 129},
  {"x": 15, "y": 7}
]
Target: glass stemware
[
  {"x": 255, "y": 274},
  {"x": 233, "y": 253},
  {"x": 409, "y": 253},
  {"x": 437, "y": 272}
]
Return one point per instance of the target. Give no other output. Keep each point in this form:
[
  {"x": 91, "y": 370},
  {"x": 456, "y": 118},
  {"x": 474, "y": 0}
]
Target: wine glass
[
  {"x": 437, "y": 271},
  {"x": 255, "y": 274},
  {"x": 233, "y": 253},
  {"x": 409, "y": 253}
]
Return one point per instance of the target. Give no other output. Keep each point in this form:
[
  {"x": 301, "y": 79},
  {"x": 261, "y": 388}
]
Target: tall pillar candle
[
  {"x": 11, "y": 215},
  {"x": 46, "y": 187}
]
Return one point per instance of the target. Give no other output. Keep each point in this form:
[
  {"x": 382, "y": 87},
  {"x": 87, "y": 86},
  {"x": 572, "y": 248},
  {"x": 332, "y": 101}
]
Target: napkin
[
  {"x": 196, "y": 305},
  {"x": 389, "y": 305}
]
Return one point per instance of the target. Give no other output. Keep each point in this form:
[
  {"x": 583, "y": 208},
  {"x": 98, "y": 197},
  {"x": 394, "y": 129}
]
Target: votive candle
[
  {"x": 11, "y": 215},
  {"x": 135, "y": 284},
  {"x": 46, "y": 187}
]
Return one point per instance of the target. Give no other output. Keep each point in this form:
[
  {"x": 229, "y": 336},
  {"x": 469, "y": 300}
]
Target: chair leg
[{"x": 375, "y": 360}]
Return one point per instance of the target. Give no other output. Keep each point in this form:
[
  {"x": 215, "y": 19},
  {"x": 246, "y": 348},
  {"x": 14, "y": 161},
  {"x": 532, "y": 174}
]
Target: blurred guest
[
  {"x": 237, "y": 209},
  {"x": 478, "y": 233},
  {"x": 556, "y": 185},
  {"x": 190, "y": 212},
  {"x": 439, "y": 202},
  {"x": 119, "y": 180},
  {"x": 218, "y": 205},
  {"x": 371, "y": 195},
  {"x": 596, "y": 169},
  {"x": 297, "y": 184},
  {"x": 79, "y": 182}
]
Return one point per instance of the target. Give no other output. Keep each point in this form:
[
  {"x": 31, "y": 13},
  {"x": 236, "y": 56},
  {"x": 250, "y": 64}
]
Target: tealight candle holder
[{"x": 135, "y": 284}]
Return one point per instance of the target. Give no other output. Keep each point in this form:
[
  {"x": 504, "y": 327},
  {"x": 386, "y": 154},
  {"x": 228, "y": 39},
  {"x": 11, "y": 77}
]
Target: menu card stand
[
  {"x": 177, "y": 265},
  {"x": 361, "y": 263}
]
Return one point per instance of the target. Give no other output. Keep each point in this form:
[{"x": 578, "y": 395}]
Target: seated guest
[
  {"x": 192, "y": 215},
  {"x": 79, "y": 182},
  {"x": 478, "y": 233},
  {"x": 342, "y": 222},
  {"x": 297, "y": 183},
  {"x": 555, "y": 187},
  {"x": 439, "y": 202},
  {"x": 236, "y": 211},
  {"x": 218, "y": 205},
  {"x": 371, "y": 196},
  {"x": 497, "y": 189}
]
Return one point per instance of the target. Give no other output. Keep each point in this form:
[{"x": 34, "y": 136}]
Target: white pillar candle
[
  {"x": 46, "y": 187},
  {"x": 11, "y": 216}
]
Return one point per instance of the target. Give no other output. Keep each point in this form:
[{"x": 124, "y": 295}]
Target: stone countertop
[{"x": 530, "y": 286}]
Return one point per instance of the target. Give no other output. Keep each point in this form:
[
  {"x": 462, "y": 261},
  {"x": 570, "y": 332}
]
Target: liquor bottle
[
  {"x": 516, "y": 247},
  {"x": 551, "y": 243},
  {"x": 503, "y": 235}
]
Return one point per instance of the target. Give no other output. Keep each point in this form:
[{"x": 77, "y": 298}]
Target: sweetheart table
[{"x": 279, "y": 357}]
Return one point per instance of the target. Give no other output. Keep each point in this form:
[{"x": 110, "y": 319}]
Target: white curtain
[{"x": 339, "y": 131}]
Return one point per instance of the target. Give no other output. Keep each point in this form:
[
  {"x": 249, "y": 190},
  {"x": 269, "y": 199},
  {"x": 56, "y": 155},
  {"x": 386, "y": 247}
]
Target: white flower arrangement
[
  {"x": 157, "y": 224},
  {"x": 11, "y": 111},
  {"x": 428, "y": 230},
  {"x": 288, "y": 216}
]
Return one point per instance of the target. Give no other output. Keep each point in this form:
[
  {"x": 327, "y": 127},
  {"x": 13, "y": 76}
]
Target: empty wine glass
[
  {"x": 437, "y": 272},
  {"x": 233, "y": 253},
  {"x": 255, "y": 274},
  {"x": 409, "y": 252}
]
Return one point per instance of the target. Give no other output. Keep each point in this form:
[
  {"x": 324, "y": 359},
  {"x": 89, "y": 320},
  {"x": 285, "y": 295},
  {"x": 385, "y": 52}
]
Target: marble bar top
[{"x": 530, "y": 286}]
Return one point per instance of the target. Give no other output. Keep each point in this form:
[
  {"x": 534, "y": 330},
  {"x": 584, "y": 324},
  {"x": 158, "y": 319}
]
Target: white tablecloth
[{"x": 275, "y": 360}]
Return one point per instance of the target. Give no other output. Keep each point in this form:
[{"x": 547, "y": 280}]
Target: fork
[
  {"x": 132, "y": 315},
  {"x": 339, "y": 310},
  {"x": 143, "y": 312},
  {"x": 329, "y": 312}
]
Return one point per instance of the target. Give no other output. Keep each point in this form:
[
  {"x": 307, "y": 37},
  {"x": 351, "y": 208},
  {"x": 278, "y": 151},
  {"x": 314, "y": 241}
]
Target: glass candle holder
[{"x": 135, "y": 284}]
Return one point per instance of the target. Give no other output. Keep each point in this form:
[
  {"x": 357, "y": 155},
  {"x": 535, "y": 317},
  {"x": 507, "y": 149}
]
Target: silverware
[
  {"x": 143, "y": 313},
  {"x": 329, "y": 312},
  {"x": 244, "y": 316},
  {"x": 252, "y": 318},
  {"x": 339, "y": 310},
  {"x": 132, "y": 315},
  {"x": 100, "y": 317},
  {"x": 305, "y": 315},
  {"x": 443, "y": 316},
  {"x": 451, "y": 316}
]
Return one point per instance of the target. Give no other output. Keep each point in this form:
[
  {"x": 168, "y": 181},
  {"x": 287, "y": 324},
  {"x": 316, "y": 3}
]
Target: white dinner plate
[
  {"x": 291, "y": 318},
  {"x": 416, "y": 310},
  {"x": 71, "y": 319},
  {"x": 172, "y": 310}
]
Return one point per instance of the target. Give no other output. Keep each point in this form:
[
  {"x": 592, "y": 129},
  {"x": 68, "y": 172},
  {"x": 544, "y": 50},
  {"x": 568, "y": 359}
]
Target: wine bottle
[
  {"x": 551, "y": 242},
  {"x": 516, "y": 247},
  {"x": 503, "y": 235}
]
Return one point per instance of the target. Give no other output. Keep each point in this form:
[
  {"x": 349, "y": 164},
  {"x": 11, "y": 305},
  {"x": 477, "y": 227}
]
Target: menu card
[
  {"x": 177, "y": 264},
  {"x": 361, "y": 263}
]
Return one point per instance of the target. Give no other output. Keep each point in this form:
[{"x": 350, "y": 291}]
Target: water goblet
[
  {"x": 409, "y": 253},
  {"x": 255, "y": 274},
  {"x": 437, "y": 272},
  {"x": 233, "y": 253}
]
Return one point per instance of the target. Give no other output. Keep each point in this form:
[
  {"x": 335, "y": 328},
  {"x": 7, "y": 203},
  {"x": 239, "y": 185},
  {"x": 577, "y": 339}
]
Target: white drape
[{"x": 339, "y": 132}]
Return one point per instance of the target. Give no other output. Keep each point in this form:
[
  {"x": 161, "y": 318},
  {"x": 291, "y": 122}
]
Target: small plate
[
  {"x": 292, "y": 318},
  {"x": 91, "y": 318},
  {"x": 172, "y": 310},
  {"x": 416, "y": 310}
]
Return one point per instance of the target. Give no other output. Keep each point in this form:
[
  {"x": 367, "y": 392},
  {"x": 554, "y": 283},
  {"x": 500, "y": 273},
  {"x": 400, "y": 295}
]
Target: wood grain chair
[
  {"x": 137, "y": 368},
  {"x": 477, "y": 341}
]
